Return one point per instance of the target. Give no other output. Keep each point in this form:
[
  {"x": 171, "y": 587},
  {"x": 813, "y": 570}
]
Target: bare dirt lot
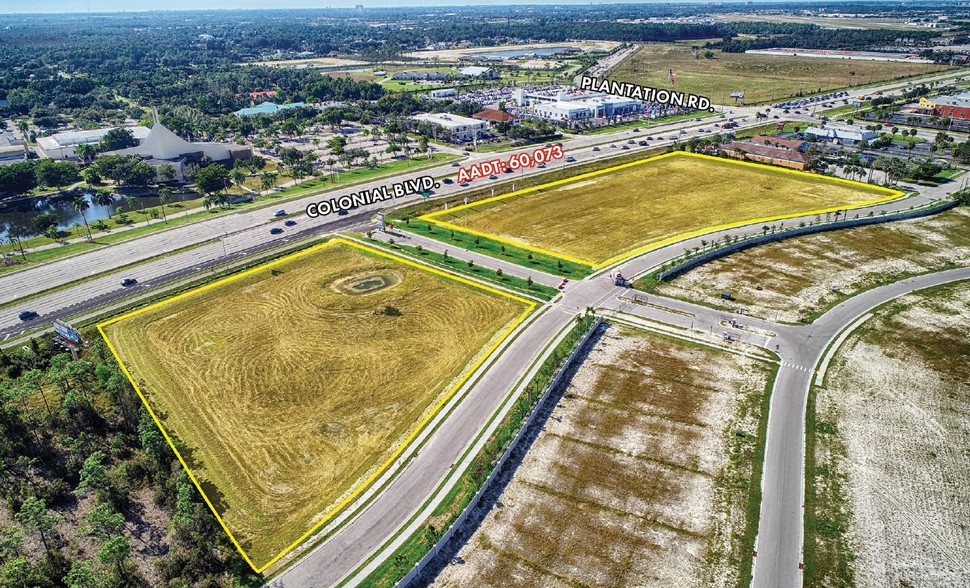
[
  {"x": 631, "y": 482},
  {"x": 893, "y": 449},
  {"x": 796, "y": 279}
]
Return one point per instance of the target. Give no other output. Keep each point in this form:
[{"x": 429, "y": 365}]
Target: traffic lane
[
  {"x": 81, "y": 298},
  {"x": 354, "y": 542}
]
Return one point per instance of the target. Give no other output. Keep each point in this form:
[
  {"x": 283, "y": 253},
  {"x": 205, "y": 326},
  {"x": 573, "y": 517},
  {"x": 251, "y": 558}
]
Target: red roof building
[
  {"x": 750, "y": 151},
  {"x": 493, "y": 116}
]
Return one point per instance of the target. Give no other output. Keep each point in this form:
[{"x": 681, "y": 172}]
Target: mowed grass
[
  {"x": 638, "y": 477},
  {"x": 762, "y": 78},
  {"x": 614, "y": 212},
  {"x": 284, "y": 393}
]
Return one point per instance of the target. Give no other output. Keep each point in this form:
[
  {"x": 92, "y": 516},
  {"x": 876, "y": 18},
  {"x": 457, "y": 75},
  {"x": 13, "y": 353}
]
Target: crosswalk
[{"x": 801, "y": 368}]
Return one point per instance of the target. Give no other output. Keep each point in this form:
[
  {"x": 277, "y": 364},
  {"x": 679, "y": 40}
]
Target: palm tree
[
  {"x": 154, "y": 214},
  {"x": 81, "y": 204},
  {"x": 267, "y": 180},
  {"x": 238, "y": 176},
  {"x": 164, "y": 197},
  {"x": 23, "y": 127},
  {"x": 85, "y": 151},
  {"x": 103, "y": 197}
]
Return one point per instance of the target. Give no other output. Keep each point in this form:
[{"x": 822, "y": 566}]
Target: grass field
[
  {"x": 798, "y": 279},
  {"x": 288, "y": 386},
  {"x": 637, "y": 478},
  {"x": 604, "y": 216},
  {"x": 762, "y": 78}
]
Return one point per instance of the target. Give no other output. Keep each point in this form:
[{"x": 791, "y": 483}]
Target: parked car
[
  {"x": 280, "y": 212},
  {"x": 275, "y": 231},
  {"x": 27, "y": 315},
  {"x": 129, "y": 282},
  {"x": 290, "y": 223}
]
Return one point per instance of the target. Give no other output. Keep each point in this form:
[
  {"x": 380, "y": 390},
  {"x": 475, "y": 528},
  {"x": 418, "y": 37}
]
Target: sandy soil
[
  {"x": 791, "y": 280},
  {"x": 623, "y": 485},
  {"x": 900, "y": 401}
]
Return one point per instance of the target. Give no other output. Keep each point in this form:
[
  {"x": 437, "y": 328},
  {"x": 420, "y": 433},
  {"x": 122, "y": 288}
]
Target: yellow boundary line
[
  {"x": 407, "y": 442},
  {"x": 433, "y": 216}
]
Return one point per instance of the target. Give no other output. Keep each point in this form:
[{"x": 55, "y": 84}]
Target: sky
[{"x": 20, "y": 6}]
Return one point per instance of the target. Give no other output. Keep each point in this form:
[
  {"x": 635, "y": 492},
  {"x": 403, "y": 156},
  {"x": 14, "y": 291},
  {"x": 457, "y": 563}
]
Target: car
[
  {"x": 548, "y": 144},
  {"x": 448, "y": 181},
  {"x": 541, "y": 166},
  {"x": 636, "y": 130},
  {"x": 570, "y": 159},
  {"x": 626, "y": 147},
  {"x": 27, "y": 315},
  {"x": 465, "y": 153},
  {"x": 340, "y": 212},
  {"x": 275, "y": 231},
  {"x": 613, "y": 145},
  {"x": 508, "y": 170},
  {"x": 596, "y": 148},
  {"x": 463, "y": 184},
  {"x": 683, "y": 131},
  {"x": 630, "y": 142},
  {"x": 649, "y": 137},
  {"x": 456, "y": 164},
  {"x": 643, "y": 143},
  {"x": 493, "y": 177},
  {"x": 129, "y": 282},
  {"x": 280, "y": 212},
  {"x": 290, "y": 223},
  {"x": 775, "y": 116}
]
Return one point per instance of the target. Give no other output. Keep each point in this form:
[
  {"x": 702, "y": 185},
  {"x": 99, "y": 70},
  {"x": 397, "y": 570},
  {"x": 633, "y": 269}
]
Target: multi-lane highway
[{"x": 196, "y": 248}]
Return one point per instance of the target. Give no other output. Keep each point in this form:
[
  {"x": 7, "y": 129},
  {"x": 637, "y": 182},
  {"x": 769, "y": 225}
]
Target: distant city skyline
[{"x": 82, "y": 6}]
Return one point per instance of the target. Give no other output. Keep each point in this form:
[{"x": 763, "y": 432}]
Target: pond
[{"x": 16, "y": 214}]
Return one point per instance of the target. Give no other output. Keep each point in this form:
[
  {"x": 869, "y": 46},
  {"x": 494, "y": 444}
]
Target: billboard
[{"x": 68, "y": 333}]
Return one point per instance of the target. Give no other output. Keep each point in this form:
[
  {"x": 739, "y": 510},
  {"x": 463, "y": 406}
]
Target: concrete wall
[{"x": 556, "y": 381}]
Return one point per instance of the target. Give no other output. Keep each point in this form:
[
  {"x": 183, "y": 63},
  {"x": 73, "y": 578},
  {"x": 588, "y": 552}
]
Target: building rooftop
[
  {"x": 267, "y": 108},
  {"x": 447, "y": 120},
  {"x": 766, "y": 151},
  {"x": 81, "y": 137},
  {"x": 474, "y": 70},
  {"x": 493, "y": 115},
  {"x": 958, "y": 100}
]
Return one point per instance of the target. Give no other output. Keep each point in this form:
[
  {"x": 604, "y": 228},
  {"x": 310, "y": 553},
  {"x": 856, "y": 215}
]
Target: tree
[
  {"x": 43, "y": 221},
  {"x": 116, "y": 551},
  {"x": 93, "y": 475},
  {"x": 212, "y": 179},
  {"x": 164, "y": 197},
  {"x": 85, "y": 151},
  {"x": 167, "y": 172},
  {"x": 118, "y": 138},
  {"x": 54, "y": 174},
  {"x": 91, "y": 176},
  {"x": 53, "y": 234},
  {"x": 238, "y": 176},
  {"x": 267, "y": 180},
  {"x": 82, "y": 576},
  {"x": 104, "y": 522},
  {"x": 80, "y": 204},
  {"x": 34, "y": 516}
]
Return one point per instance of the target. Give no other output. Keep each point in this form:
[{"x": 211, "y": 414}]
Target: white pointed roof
[{"x": 160, "y": 143}]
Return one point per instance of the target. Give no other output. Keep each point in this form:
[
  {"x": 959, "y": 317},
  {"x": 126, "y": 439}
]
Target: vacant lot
[
  {"x": 762, "y": 78},
  {"x": 637, "y": 479},
  {"x": 604, "y": 215},
  {"x": 797, "y": 279},
  {"x": 892, "y": 449},
  {"x": 286, "y": 387}
]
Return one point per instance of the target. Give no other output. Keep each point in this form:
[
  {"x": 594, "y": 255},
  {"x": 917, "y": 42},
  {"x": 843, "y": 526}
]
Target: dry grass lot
[
  {"x": 796, "y": 279},
  {"x": 762, "y": 78},
  {"x": 893, "y": 447},
  {"x": 284, "y": 391},
  {"x": 597, "y": 218},
  {"x": 631, "y": 482}
]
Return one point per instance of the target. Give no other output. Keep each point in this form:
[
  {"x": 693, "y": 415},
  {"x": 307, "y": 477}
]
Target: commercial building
[
  {"x": 419, "y": 75},
  {"x": 751, "y": 151},
  {"x": 12, "y": 150},
  {"x": 794, "y": 144},
  {"x": 840, "y": 135},
  {"x": 460, "y": 129},
  {"x": 956, "y": 106},
  {"x": 444, "y": 93},
  {"x": 574, "y": 105},
  {"x": 162, "y": 146},
  {"x": 267, "y": 108},
  {"x": 475, "y": 71},
  {"x": 493, "y": 117},
  {"x": 61, "y": 145}
]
